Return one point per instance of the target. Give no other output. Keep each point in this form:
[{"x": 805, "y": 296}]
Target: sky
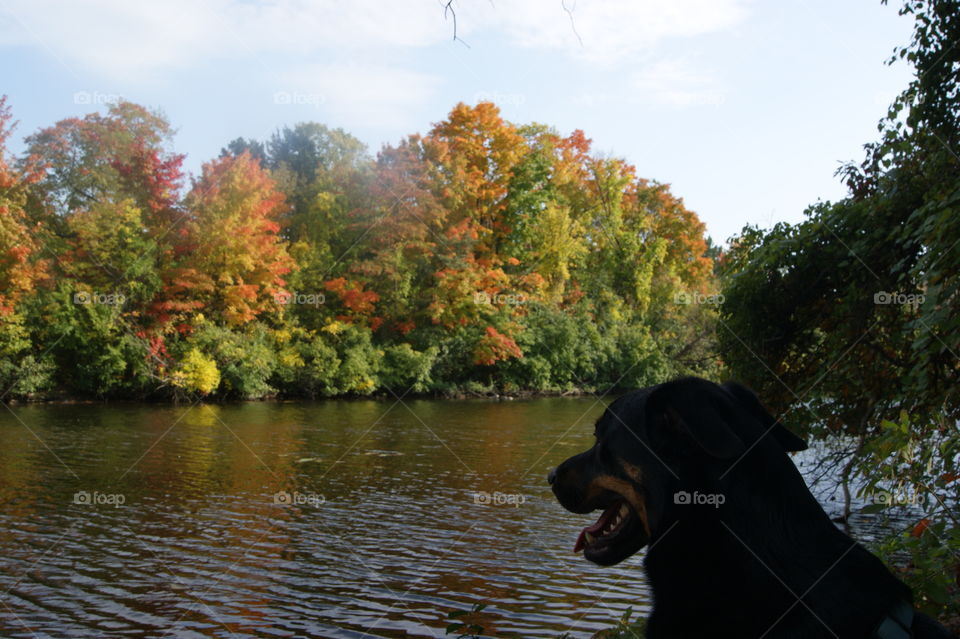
[{"x": 745, "y": 107}]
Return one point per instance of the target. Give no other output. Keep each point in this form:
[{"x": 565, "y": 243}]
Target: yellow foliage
[
  {"x": 197, "y": 373},
  {"x": 365, "y": 385},
  {"x": 334, "y": 327},
  {"x": 291, "y": 360}
]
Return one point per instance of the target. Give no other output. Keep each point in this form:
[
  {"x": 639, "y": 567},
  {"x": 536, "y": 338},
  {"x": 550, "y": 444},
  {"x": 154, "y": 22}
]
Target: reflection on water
[{"x": 332, "y": 519}]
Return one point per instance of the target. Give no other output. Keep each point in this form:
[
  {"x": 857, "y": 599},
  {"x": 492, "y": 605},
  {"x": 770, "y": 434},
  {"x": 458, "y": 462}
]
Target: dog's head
[{"x": 651, "y": 442}]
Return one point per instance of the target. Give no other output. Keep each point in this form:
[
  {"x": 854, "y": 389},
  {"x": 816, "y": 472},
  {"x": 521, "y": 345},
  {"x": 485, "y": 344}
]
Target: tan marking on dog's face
[
  {"x": 626, "y": 490},
  {"x": 631, "y": 471}
]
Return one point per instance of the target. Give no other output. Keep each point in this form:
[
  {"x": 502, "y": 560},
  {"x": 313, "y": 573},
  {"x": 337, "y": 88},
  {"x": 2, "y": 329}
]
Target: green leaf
[{"x": 873, "y": 508}]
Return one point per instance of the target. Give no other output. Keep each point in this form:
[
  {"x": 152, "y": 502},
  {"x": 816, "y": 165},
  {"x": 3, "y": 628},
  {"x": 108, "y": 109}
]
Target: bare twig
[
  {"x": 573, "y": 24},
  {"x": 448, "y": 10}
]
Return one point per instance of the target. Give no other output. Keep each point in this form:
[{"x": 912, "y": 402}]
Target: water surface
[{"x": 329, "y": 519}]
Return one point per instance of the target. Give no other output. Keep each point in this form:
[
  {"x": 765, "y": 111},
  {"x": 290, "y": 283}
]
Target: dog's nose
[{"x": 552, "y": 476}]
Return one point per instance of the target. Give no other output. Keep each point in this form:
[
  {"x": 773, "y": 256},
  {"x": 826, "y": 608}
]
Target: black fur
[{"x": 767, "y": 562}]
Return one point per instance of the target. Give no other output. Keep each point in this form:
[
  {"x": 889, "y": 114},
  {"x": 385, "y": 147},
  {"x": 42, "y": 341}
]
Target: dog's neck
[{"x": 767, "y": 542}]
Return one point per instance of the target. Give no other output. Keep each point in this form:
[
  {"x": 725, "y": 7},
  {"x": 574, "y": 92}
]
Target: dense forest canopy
[{"x": 482, "y": 256}]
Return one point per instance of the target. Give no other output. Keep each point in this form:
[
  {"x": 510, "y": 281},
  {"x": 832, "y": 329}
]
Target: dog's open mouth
[
  {"x": 617, "y": 534},
  {"x": 613, "y": 520},
  {"x": 610, "y": 523}
]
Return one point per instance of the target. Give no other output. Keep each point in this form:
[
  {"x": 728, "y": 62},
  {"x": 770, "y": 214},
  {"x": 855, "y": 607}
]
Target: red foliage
[
  {"x": 921, "y": 527},
  {"x": 358, "y": 301},
  {"x": 493, "y": 347},
  {"x": 233, "y": 259}
]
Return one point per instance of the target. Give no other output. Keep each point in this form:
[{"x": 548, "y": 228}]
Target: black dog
[{"x": 738, "y": 546}]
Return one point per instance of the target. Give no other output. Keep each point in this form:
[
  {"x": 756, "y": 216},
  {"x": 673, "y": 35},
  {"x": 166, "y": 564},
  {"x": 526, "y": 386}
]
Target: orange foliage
[
  {"x": 235, "y": 260},
  {"x": 493, "y": 347},
  {"x": 19, "y": 270},
  {"x": 358, "y": 301}
]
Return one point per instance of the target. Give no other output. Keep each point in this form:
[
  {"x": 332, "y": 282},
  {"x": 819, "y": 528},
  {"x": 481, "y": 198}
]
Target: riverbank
[{"x": 460, "y": 394}]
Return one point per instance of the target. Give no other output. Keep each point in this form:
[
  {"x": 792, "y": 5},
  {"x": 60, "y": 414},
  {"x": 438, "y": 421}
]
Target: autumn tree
[
  {"x": 399, "y": 234},
  {"x": 122, "y": 154},
  {"x": 20, "y": 266},
  {"x": 109, "y": 200},
  {"x": 481, "y": 254},
  {"x": 238, "y": 253},
  {"x": 21, "y": 269},
  {"x": 472, "y": 155}
]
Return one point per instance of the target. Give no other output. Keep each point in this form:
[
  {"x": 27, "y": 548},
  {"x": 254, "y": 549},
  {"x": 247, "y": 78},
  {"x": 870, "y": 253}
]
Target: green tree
[{"x": 847, "y": 321}]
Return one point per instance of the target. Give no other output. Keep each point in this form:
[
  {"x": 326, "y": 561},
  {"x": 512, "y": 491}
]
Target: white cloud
[
  {"x": 105, "y": 36},
  {"x": 610, "y": 31},
  {"x": 120, "y": 37},
  {"x": 345, "y": 56}
]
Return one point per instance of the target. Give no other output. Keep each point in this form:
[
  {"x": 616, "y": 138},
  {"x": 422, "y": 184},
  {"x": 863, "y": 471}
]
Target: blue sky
[{"x": 745, "y": 107}]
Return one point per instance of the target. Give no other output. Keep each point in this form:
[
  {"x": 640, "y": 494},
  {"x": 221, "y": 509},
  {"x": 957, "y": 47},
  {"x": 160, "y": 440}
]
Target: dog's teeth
[
  {"x": 623, "y": 510},
  {"x": 619, "y": 519}
]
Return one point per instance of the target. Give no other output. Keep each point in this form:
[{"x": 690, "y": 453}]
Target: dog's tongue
[{"x": 595, "y": 528}]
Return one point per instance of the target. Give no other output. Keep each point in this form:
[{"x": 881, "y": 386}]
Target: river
[{"x": 332, "y": 519}]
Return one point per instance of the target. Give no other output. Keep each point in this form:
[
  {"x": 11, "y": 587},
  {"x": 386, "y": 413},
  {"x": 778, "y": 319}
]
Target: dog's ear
[
  {"x": 700, "y": 410},
  {"x": 786, "y": 439}
]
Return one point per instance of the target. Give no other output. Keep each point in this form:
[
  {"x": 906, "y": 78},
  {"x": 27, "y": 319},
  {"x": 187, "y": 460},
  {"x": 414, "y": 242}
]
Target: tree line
[{"x": 482, "y": 256}]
